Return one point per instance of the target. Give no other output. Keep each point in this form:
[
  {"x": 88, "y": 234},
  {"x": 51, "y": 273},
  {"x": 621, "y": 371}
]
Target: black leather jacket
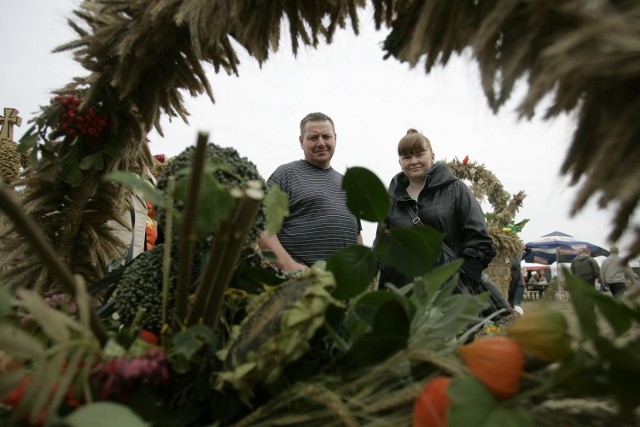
[{"x": 448, "y": 205}]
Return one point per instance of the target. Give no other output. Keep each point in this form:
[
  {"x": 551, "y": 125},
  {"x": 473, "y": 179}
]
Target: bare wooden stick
[
  {"x": 187, "y": 231},
  {"x": 228, "y": 244}
]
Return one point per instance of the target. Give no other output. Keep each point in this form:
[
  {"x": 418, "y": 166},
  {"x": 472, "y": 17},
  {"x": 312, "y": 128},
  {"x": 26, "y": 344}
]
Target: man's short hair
[{"x": 316, "y": 117}]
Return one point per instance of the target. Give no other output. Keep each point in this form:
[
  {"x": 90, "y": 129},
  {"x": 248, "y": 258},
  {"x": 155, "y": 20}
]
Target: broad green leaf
[
  {"x": 135, "y": 182},
  {"x": 412, "y": 251},
  {"x": 276, "y": 209},
  {"x": 624, "y": 385},
  {"x": 29, "y": 140},
  {"x": 391, "y": 320},
  {"x": 19, "y": 343},
  {"x": 216, "y": 205},
  {"x": 389, "y": 335},
  {"x": 87, "y": 162},
  {"x": 581, "y": 373},
  {"x": 104, "y": 414},
  {"x": 366, "y": 195},
  {"x": 460, "y": 310},
  {"x": 48, "y": 154},
  {"x": 582, "y": 302},
  {"x": 188, "y": 342},
  {"x": 354, "y": 269},
  {"x": 367, "y": 306},
  {"x": 431, "y": 285},
  {"x": 471, "y": 402},
  {"x": 74, "y": 176},
  {"x": 98, "y": 161}
]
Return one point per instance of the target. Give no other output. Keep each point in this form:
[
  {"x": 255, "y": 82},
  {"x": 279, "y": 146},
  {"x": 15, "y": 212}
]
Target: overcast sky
[{"x": 372, "y": 101}]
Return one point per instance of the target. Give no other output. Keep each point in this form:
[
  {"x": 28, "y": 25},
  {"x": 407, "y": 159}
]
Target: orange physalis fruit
[
  {"x": 430, "y": 408},
  {"x": 497, "y": 361}
]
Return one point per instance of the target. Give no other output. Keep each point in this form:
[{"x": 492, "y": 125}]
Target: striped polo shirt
[{"x": 319, "y": 222}]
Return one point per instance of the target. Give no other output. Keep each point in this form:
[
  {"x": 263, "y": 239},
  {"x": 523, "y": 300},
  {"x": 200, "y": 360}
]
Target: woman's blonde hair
[{"x": 413, "y": 142}]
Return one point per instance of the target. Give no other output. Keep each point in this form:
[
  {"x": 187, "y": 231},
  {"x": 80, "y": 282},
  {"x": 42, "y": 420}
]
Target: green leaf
[
  {"x": 135, "y": 182},
  {"x": 74, "y": 176},
  {"x": 582, "y": 300},
  {"x": 366, "y": 195},
  {"x": 276, "y": 209},
  {"x": 104, "y": 414},
  {"x": 624, "y": 385},
  {"x": 354, "y": 269},
  {"x": 471, "y": 402},
  {"x": 216, "y": 205},
  {"x": 367, "y": 306},
  {"x": 87, "y": 162},
  {"x": 29, "y": 141},
  {"x": 389, "y": 335},
  {"x": 190, "y": 341},
  {"x": 98, "y": 162},
  {"x": 20, "y": 343},
  {"x": 428, "y": 287},
  {"x": 48, "y": 154},
  {"x": 55, "y": 324},
  {"x": 412, "y": 251}
]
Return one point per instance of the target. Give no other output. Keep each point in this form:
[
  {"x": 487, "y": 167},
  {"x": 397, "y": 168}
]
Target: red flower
[
  {"x": 465, "y": 160},
  {"x": 160, "y": 157}
]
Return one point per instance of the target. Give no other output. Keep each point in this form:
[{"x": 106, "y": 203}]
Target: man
[
  {"x": 614, "y": 273},
  {"x": 516, "y": 286},
  {"x": 319, "y": 222},
  {"x": 585, "y": 267}
]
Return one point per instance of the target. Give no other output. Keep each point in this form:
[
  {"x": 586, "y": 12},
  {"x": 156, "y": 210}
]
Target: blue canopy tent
[{"x": 558, "y": 247}]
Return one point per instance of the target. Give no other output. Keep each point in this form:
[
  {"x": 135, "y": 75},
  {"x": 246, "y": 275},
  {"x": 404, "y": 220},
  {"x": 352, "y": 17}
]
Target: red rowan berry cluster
[{"x": 87, "y": 124}]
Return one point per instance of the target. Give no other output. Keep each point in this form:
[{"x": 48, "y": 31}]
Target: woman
[{"x": 427, "y": 192}]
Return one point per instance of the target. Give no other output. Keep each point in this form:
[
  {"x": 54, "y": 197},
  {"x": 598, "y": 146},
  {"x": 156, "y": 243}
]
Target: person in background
[
  {"x": 542, "y": 279},
  {"x": 516, "y": 286},
  {"x": 426, "y": 192},
  {"x": 319, "y": 222},
  {"x": 585, "y": 267},
  {"x": 615, "y": 273},
  {"x": 136, "y": 229}
]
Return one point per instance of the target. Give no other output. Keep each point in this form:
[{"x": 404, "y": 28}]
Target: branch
[{"x": 187, "y": 233}]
